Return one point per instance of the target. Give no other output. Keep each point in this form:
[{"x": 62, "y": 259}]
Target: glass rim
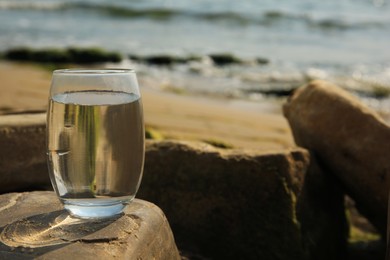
[{"x": 98, "y": 72}]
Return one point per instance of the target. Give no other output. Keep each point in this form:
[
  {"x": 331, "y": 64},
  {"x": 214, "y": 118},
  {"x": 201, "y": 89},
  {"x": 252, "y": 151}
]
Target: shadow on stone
[
  {"x": 34, "y": 225},
  {"x": 54, "y": 228},
  {"x": 41, "y": 233}
]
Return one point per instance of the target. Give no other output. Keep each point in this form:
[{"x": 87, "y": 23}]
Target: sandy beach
[{"x": 248, "y": 125}]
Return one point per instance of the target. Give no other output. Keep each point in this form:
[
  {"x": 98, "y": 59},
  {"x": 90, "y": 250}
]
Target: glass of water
[{"x": 95, "y": 140}]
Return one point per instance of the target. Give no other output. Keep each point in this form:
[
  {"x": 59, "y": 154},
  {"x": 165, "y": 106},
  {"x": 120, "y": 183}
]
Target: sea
[{"x": 346, "y": 42}]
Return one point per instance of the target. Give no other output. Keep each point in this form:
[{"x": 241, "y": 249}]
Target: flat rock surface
[{"x": 33, "y": 225}]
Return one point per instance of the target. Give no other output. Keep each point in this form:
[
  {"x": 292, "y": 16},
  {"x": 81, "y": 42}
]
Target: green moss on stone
[
  {"x": 18, "y": 54},
  {"x": 151, "y": 133},
  {"x": 93, "y": 55},
  {"x": 69, "y": 55},
  {"x": 380, "y": 91},
  {"x": 163, "y": 60},
  {"x": 218, "y": 143},
  {"x": 356, "y": 234},
  {"x": 224, "y": 59}
]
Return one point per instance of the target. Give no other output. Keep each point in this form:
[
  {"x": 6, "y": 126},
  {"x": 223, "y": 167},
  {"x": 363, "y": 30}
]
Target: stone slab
[
  {"x": 322, "y": 214},
  {"x": 23, "y": 153},
  {"x": 350, "y": 141},
  {"x": 34, "y": 226},
  {"x": 228, "y": 204}
]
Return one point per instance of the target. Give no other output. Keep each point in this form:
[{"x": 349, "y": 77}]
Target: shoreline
[{"x": 239, "y": 124}]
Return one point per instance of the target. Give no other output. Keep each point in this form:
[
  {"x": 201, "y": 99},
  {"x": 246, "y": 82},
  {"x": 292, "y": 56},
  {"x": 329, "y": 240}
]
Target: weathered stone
[
  {"x": 222, "y": 203},
  {"x": 33, "y": 225},
  {"x": 22, "y": 152},
  {"x": 349, "y": 140},
  {"x": 228, "y": 204},
  {"x": 321, "y": 212},
  {"x": 367, "y": 250}
]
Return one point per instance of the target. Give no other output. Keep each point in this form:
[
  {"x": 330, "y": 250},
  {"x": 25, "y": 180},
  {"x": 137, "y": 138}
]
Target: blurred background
[{"x": 262, "y": 49}]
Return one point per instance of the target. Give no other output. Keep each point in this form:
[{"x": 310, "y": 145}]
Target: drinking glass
[{"x": 95, "y": 140}]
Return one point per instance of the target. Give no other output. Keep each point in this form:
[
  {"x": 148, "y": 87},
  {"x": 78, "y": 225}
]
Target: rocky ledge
[
  {"x": 34, "y": 226},
  {"x": 220, "y": 203},
  {"x": 237, "y": 204}
]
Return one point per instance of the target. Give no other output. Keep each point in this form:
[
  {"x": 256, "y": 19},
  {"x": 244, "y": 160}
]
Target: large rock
[
  {"x": 23, "y": 153},
  {"x": 34, "y": 226},
  {"x": 349, "y": 140},
  {"x": 322, "y": 214},
  {"x": 220, "y": 203},
  {"x": 228, "y": 204}
]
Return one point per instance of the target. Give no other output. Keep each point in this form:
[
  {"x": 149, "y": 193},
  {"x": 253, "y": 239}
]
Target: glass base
[
  {"x": 94, "y": 208},
  {"x": 94, "y": 211}
]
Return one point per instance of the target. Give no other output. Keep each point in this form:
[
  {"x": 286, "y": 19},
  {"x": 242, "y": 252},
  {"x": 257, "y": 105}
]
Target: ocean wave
[
  {"x": 12, "y": 5},
  {"x": 337, "y": 24},
  {"x": 267, "y": 18},
  {"x": 324, "y": 23}
]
